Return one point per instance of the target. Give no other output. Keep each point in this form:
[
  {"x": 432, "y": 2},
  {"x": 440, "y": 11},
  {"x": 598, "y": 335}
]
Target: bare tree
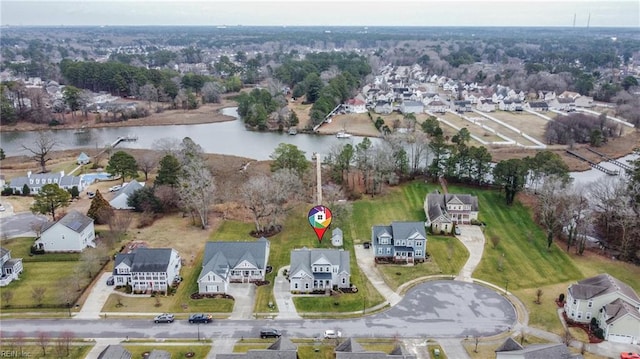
[
  {"x": 211, "y": 92},
  {"x": 149, "y": 93},
  {"x": 476, "y": 339},
  {"x": 538, "y": 296},
  {"x": 67, "y": 337},
  {"x": 19, "y": 340},
  {"x": 254, "y": 199},
  {"x": 146, "y": 163},
  {"x": 43, "y": 339},
  {"x": 37, "y": 294},
  {"x": 119, "y": 223},
  {"x": 41, "y": 149},
  {"x": 573, "y": 211},
  {"x": 548, "y": 206},
  {"x": 197, "y": 190}
]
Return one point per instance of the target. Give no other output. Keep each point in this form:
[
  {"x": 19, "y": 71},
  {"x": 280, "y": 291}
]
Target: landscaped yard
[
  {"x": 31, "y": 349},
  {"x": 177, "y": 350}
]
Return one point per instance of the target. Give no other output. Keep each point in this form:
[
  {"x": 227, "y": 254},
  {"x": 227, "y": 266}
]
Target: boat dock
[
  {"x": 609, "y": 159},
  {"x": 124, "y": 139},
  {"x": 593, "y": 164}
]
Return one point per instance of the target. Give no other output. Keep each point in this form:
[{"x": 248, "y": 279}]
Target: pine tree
[{"x": 100, "y": 209}]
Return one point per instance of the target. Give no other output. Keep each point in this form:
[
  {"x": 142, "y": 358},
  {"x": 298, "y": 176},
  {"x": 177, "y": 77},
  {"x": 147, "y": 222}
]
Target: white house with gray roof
[
  {"x": 351, "y": 349},
  {"x": 319, "y": 270},
  {"x": 443, "y": 211},
  {"x": 147, "y": 269},
  {"x": 614, "y": 304},
  {"x": 226, "y": 262},
  {"x": 72, "y": 233},
  {"x": 401, "y": 242},
  {"x": 37, "y": 180},
  {"x": 511, "y": 349},
  {"x": 11, "y": 267},
  {"x": 121, "y": 199}
]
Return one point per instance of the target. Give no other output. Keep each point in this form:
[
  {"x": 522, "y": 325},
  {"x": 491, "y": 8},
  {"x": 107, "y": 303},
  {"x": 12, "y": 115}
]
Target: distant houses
[
  {"x": 35, "y": 182},
  {"x": 121, "y": 200},
  {"x": 11, "y": 267}
]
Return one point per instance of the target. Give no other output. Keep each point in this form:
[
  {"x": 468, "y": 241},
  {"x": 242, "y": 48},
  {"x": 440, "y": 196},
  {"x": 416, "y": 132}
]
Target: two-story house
[
  {"x": 72, "y": 233},
  {"x": 443, "y": 211},
  {"x": 351, "y": 349},
  {"x": 401, "y": 242},
  {"x": 11, "y": 267},
  {"x": 319, "y": 270},
  {"x": 614, "y": 304},
  {"x": 227, "y": 262},
  {"x": 147, "y": 269}
]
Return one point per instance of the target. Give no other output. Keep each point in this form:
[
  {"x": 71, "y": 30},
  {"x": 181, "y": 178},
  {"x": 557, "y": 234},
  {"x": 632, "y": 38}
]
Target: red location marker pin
[{"x": 320, "y": 219}]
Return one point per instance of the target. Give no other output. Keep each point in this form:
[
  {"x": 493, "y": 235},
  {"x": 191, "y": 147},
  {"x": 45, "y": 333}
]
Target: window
[
  {"x": 590, "y": 304},
  {"x": 418, "y": 243},
  {"x": 295, "y": 286},
  {"x": 579, "y": 315},
  {"x": 418, "y": 252},
  {"x": 588, "y": 316},
  {"x": 306, "y": 286},
  {"x": 388, "y": 250},
  {"x": 344, "y": 280},
  {"x": 575, "y": 302},
  {"x": 379, "y": 250}
]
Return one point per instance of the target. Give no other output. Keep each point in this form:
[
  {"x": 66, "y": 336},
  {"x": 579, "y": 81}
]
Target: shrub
[
  {"x": 7, "y": 191},
  {"x": 54, "y": 122}
]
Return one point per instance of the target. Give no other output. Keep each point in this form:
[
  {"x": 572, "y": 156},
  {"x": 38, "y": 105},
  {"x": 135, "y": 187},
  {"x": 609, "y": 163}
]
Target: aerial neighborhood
[{"x": 161, "y": 190}]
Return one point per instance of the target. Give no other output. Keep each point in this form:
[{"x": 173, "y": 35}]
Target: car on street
[
  {"x": 91, "y": 194},
  {"x": 629, "y": 355},
  {"x": 200, "y": 318},
  {"x": 2, "y": 208},
  {"x": 456, "y": 230},
  {"x": 270, "y": 333},
  {"x": 110, "y": 281},
  {"x": 164, "y": 318},
  {"x": 332, "y": 334},
  {"x": 115, "y": 188}
]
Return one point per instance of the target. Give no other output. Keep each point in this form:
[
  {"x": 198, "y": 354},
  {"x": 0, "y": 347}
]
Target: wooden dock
[
  {"x": 609, "y": 159},
  {"x": 123, "y": 139},
  {"x": 593, "y": 164}
]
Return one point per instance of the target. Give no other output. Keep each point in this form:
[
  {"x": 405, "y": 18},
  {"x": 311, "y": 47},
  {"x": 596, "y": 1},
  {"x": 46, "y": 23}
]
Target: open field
[
  {"x": 473, "y": 129},
  {"x": 53, "y": 349},
  {"x": 176, "y": 351},
  {"x": 353, "y": 123},
  {"x": 528, "y": 123}
]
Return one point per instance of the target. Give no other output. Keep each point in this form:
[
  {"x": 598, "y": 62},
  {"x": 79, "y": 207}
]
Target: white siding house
[
  {"x": 147, "y": 269},
  {"x": 319, "y": 270},
  {"x": 72, "y": 233},
  {"x": 120, "y": 201},
  {"x": 11, "y": 267}
]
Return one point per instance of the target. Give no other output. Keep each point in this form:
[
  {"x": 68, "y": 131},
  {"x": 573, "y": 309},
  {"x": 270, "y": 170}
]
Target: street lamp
[
  {"x": 69, "y": 308},
  {"x": 506, "y": 287},
  {"x": 198, "y": 331}
]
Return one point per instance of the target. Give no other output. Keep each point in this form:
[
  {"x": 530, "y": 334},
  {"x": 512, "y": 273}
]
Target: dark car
[
  {"x": 270, "y": 333},
  {"x": 110, "y": 281},
  {"x": 164, "y": 318},
  {"x": 200, "y": 318}
]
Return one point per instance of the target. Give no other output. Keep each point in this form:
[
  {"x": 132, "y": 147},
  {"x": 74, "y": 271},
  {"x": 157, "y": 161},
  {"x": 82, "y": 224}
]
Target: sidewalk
[
  {"x": 367, "y": 264},
  {"x": 282, "y": 294}
]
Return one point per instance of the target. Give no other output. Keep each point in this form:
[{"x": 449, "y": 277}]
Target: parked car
[
  {"x": 177, "y": 279},
  {"x": 164, "y": 318},
  {"x": 1, "y": 208},
  {"x": 200, "y": 318},
  {"x": 270, "y": 333},
  {"x": 91, "y": 194},
  {"x": 629, "y": 355},
  {"x": 456, "y": 230},
  {"x": 110, "y": 281},
  {"x": 332, "y": 334},
  {"x": 115, "y": 188}
]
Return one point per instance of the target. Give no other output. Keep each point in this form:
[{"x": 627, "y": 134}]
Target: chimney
[
  {"x": 61, "y": 173},
  {"x": 28, "y": 174}
]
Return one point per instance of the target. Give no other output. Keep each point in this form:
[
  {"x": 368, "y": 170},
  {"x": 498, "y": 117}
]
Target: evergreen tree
[
  {"x": 168, "y": 172},
  {"x": 100, "y": 210}
]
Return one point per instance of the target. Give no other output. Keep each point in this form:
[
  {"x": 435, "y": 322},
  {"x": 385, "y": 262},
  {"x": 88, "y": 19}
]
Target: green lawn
[
  {"x": 176, "y": 351},
  {"x": 30, "y": 349},
  {"x": 521, "y": 257}
]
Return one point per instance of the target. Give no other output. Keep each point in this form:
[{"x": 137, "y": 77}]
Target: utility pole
[{"x": 318, "y": 159}]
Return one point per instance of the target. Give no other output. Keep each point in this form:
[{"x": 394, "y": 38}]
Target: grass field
[
  {"x": 177, "y": 351},
  {"x": 29, "y": 349},
  {"x": 473, "y": 129}
]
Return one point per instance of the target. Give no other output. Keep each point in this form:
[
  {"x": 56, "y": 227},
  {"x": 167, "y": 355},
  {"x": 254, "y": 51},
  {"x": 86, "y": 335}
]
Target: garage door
[
  {"x": 212, "y": 289},
  {"x": 617, "y": 338}
]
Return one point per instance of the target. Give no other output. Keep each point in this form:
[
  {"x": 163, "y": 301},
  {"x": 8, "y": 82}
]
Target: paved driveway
[
  {"x": 472, "y": 238},
  {"x": 19, "y": 224}
]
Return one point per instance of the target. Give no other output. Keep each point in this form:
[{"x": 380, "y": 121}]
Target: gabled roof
[
  {"x": 546, "y": 351},
  {"x": 378, "y": 231},
  {"x": 509, "y": 345},
  {"x": 82, "y": 157},
  {"x": 115, "y": 352},
  {"x": 74, "y": 220},
  {"x": 159, "y": 354},
  {"x": 350, "y": 345},
  {"x": 413, "y": 103},
  {"x": 146, "y": 259},
  {"x": 283, "y": 344},
  {"x": 131, "y": 187},
  {"x": 538, "y": 104},
  {"x": 618, "y": 309},
  {"x": 404, "y": 230},
  {"x": 599, "y": 285},
  {"x": 219, "y": 257},
  {"x": 3, "y": 251},
  {"x": 302, "y": 258}
]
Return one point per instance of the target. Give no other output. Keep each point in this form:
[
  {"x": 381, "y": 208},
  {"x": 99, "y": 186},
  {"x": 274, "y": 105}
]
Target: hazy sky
[{"x": 622, "y": 13}]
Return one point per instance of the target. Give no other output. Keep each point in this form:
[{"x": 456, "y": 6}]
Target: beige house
[
  {"x": 443, "y": 211},
  {"x": 614, "y": 304}
]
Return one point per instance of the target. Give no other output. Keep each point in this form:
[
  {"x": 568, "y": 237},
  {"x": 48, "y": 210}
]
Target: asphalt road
[
  {"x": 20, "y": 224},
  {"x": 438, "y": 309}
]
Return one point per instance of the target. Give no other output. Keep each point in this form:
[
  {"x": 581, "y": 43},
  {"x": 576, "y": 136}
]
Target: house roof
[
  {"x": 377, "y": 231},
  {"x": 413, "y": 103},
  {"x": 283, "y": 344},
  {"x": 546, "y": 351},
  {"x": 115, "y": 352},
  {"x": 131, "y": 187},
  {"x": 3, "y": 251},
  {"x": 437, "y": 203},
  {"x": 303, "y": 258},
  {"x": 538, "y": 104},
  {"x": 74, "y": 220},
  {"x": 436, "y": 103},
  {"x": 509, "y": 345},
  {"x": 355, "y": 102},
  {"x": 282, "y": 348},
  {"x": 619, "y": 308},
  {"x": 600, "y": 285},
  {"x": 350, "y": 345},
  {"x": 146, "y": 259},
  {"x": 219, "y": 257},
  {"x": 404, "y": 230},
  {"x": 82, "y": 157}
]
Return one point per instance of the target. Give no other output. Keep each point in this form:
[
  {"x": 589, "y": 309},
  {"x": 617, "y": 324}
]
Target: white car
[
  {"x": 2, "y": 208},
  {"x": 115, "y": 188},
  {"x": 332, "y": 334}
]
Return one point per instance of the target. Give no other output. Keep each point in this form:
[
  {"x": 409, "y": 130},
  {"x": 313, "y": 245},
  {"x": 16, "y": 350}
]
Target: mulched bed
[
  {"x": 211, "y": 296},
  {"x": 269, "y": 232},
  {"x": 585, "y": 327}
]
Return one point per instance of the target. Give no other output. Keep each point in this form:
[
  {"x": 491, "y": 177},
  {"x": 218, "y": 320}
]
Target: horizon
[{"x": 329, "y": 13}]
